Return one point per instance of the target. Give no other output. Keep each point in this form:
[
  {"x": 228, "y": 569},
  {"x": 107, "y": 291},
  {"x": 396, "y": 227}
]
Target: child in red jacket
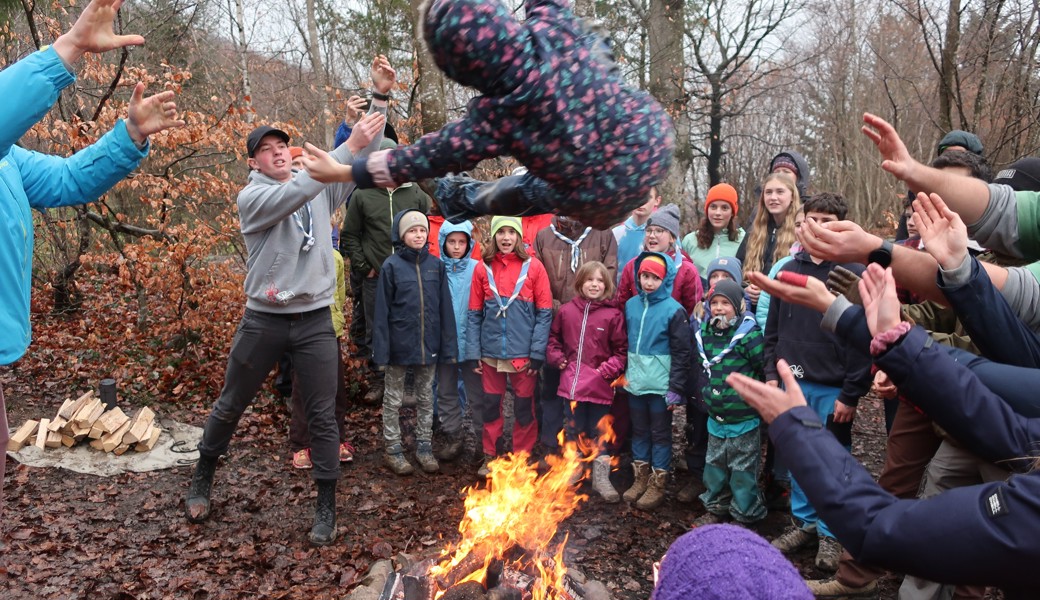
[{"x": 587, "y": 342}]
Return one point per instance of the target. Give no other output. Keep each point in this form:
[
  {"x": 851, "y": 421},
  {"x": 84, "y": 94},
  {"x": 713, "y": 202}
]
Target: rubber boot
[
  {"x": 642, "y": 471},
  {"x": 323, "y": 532},
  {"x": 654, "y": 495},
  {"x": 601, "y": 479},
  {"x": 196, "y": 505}
]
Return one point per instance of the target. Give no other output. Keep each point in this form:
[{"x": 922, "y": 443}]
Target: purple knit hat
[{"x": 726, "y": 562}]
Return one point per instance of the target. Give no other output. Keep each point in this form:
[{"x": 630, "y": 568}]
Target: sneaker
[
  {"x": 398, "y": 463},
  {"x": 302, "y": 459},
  {"x": 710, "y": 519},
  {"x": 832, "y": 589},
  {"x": 793, "y": 539},
  {"x": 346, "y": 452},
  {"x": 828, "y": 554},
  {"x": 484, "y": 470}
]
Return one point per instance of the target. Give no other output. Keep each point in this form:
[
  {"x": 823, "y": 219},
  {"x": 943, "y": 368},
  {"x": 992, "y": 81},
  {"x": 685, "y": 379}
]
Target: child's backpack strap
[{"x": 503, "y": 306}]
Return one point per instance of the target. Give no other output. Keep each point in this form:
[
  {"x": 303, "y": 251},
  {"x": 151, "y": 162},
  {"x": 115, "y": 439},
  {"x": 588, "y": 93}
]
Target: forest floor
[{"x": 68, "y": 535}]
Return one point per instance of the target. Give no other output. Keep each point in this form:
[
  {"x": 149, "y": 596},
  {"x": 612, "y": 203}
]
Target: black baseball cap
[{"x": 259, "y": 133}]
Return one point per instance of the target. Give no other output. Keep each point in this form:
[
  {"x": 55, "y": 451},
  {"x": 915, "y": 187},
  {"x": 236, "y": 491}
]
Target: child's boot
[
  {"x": 323, "y": 532},
  {"x": 424, "y": 455},
  {"x": 450, "y": 448},
  {"x": 395, "y": 460},
  {"x": 654, "y": 495},
  {"x": 196, "y": 505},
  {"x": 601, "y": 479},
  {"x": 642, "y": 471}
]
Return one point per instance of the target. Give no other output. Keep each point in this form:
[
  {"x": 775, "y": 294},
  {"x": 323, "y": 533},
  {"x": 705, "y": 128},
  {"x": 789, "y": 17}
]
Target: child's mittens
[
  {"x": 673, "y": 398},
  {"x": 846, "y": 283},
  {"x": 534, "y": 364}
]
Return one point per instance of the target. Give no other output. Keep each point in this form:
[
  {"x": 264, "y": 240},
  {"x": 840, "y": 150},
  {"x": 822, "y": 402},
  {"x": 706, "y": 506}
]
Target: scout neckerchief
[
  {"x": 575, "y": 245},
  {"x": 516, "y": 290}
]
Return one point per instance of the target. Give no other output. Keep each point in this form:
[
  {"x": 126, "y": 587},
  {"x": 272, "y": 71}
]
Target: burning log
[
  {"x": 505, "y": 592},
  {"x": 474, "y": 560},
  {"x": 467, "y": 590}
]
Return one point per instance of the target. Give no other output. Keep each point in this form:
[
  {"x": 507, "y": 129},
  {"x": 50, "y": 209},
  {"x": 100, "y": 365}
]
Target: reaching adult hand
[
  {"x": 897, "y": 159},
  {"x": 838, "y": 241},
  {"x": 942, "y": 230},
  {"x": 383, "y": 75},
  {"x": 753, "y": 293},
  {"x": 150, "y": 115},
  {"x": 812, "y": 295},
  {"x": 322, "y": 167},
  {"x": 365, "y": 131},
  {"x": 93, "y": 32},
  {"x": 883, "y": 386},
  {"x": 355, "y": 108},
  {"x": 843, "y": 413},
  {"x": 769, "y": 401},
  {"x": 880, "y": 303}
]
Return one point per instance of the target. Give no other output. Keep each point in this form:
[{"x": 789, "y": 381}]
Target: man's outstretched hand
[
  {"x": 944, "y": 234},
  {"x": 150, "y": 115},
  {"x": 897, "y": 159},
  {"x": 93, "y": 32}
]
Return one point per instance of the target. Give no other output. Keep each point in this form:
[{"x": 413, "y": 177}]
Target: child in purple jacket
[
  {"x": 551, "y": 97},
  {"x": 587, "y": 342}
]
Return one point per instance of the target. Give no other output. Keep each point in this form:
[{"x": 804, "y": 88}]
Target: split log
[
  {"x": 110, "y": 441},
  {"x": 473, "y": 561},
  {"x": 121, "y": 449},
  {"x": 67, "y": 440},
  {"x": 69, "y": 412},
  {"x": 53, "y": 439},
  {"x": 41, "y": 434},
  {"x": 88, "y": 413},
  {"x": 21, "y": 437},
  {"x": 112, "y": 421},
  {"x": 95, "y": 433},
  {"x": 149, "y": 442},
  {"x": 56, "y": 424},
  {"x": 141, "y": 422}
]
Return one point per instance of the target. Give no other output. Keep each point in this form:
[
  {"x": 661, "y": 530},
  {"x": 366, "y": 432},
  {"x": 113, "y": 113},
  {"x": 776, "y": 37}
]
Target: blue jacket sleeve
[
  {"x": 29, "y": 88},
  {"x": 381, "y": 321},
  {"x": 955, "y": 398},
  {"x": 994, "y": 327},
  {"x": 995, "y": 540}
]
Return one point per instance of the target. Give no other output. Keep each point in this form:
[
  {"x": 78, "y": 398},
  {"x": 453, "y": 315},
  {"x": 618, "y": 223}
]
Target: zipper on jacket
[
  {"x": 581, "y": 349},
  {"x": 422, "y": 313},
  {"x": 391, "y": 194},
  {"x": 642, "y": 319}
]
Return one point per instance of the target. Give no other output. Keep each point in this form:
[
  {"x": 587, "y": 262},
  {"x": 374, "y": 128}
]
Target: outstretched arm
[
  {"x": 92, "y": 32},
  {"x": 150, "y": 115},
  {"x": 965, "y": 195}
]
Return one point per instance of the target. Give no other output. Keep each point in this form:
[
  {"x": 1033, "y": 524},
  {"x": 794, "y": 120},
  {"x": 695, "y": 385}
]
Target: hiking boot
[
  {"x": 395, "y": 460},
  {"x": 710, "y": 519},
  {"x": 302, "y": 459},
  {"x": 642, "y": 471},
  {"x": 828, "y": 554},
  {"x": 654, "y": 495},
  {"x": 323, "y": 532},
  {"x": 196, "y": 505},
  {"x": 450, "y": 449},
  {"x": 691, "y": 491},
  {"x": 346, "y": 452},
  {"x": 793, "y": 538},
  {"x": 601, "y": 479},
  {"x": 484, "y": 469},
  {"x": 424, "y": 455},
  {"x": 832, "y": 589},
  {"x": 374, "y": 395}
]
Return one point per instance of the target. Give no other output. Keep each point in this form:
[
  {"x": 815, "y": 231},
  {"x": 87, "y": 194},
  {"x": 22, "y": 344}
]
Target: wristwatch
[{"x": 882, "y": 256}]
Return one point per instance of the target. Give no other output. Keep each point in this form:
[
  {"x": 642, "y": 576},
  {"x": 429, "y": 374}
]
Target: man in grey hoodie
[{"x": 285, "y": 218}]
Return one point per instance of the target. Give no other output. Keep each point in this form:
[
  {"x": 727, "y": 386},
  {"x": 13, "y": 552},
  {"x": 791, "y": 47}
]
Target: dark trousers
[
  {"x": 260, "y": 339},
  {"x": 357, "y": 312},
  {"x": 696, "y": 438},
  {"x": 553, "y": 410},
  {"x": 449, "y": 402},
  {"x": 368, "y": 301},
  {"x": 299, "y": 435},
  {"x": 584, "y": 420}
]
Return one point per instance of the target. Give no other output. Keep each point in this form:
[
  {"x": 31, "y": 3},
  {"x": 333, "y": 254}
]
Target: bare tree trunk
[
  {"x": 243, "y": 59},
  {"x": 428, "y": 97},
  {"x": 665, "y": 29},
  {"x": 314, "y": 53},
  {"x": 948, "y": 65}
]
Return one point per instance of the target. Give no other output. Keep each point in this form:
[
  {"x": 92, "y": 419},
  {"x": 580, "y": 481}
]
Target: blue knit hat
[
  {"x": 729, "y": 264},
  {"x": 726, "y": 562}
]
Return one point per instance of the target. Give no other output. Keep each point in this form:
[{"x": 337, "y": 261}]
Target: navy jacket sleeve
[
  {"x": 680, "y": 348},
  {"x": 994, "y": 327},
  {"x": 955, "y": 398},
  {"x": 995, "y": 540}
]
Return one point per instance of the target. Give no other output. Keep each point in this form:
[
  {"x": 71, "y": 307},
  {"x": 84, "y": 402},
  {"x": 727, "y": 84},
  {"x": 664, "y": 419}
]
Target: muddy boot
[
  {"x": 642, "y": 471},
  {"x": 323, "y": 532},
  {"x": 196, "y": 505},
  {"x": 485, "y": 468},
  {"x": 654, "y": 495},
  {"x": 601, "y": 479},
  {"x": 374, "y": 395},
  {"x": 450, "y": 448},
  {"x": 395, "y": 460},
  {"x": 424, "y": 455},
  {"x": 691, "y": 491}
]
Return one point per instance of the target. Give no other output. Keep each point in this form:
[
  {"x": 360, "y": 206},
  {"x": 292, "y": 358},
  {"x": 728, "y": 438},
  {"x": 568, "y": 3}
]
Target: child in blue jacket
[
  {"x": 551, "y": 97},
  {"x": 414, "y": 326},
  {"x": 456, "y": 245},
  {"x": 659, "y": 354}
]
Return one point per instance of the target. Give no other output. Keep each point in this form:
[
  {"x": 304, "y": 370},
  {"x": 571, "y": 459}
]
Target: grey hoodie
[{"x": 282, "y": 277}]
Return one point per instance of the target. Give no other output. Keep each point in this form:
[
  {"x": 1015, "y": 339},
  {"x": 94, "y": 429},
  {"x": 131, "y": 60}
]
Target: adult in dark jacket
[
  {"x": 413, "y": 326},
  {"x": 985, "y": 534}
]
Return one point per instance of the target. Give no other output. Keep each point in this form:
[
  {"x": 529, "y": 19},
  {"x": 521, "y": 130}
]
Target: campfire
[{"x": 506, "y": 551}]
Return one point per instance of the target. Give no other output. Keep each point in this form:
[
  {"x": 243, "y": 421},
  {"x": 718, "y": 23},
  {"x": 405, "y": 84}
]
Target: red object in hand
[{"x": 792, "y": 278}]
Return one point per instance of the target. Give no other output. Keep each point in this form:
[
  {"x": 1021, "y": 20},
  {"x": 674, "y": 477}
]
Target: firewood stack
[{"x": 86, "y": 418}]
